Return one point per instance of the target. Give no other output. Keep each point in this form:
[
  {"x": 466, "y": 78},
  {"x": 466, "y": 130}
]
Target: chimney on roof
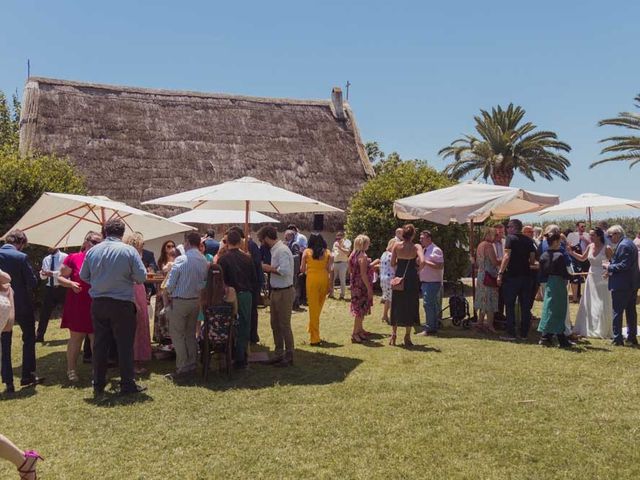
[{"x": 337, "y": 103}]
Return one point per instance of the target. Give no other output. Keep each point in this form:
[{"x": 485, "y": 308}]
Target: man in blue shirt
[
  {"x": 187, "y": 278},
  {"x": 23, "y": 281},
  {"x": 112, "y": 268}
]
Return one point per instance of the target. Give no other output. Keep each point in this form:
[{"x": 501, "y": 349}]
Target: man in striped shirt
[{"x": 186, "y": 280}]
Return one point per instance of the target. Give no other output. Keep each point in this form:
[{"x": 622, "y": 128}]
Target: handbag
[{"x": 397, "y": 283}]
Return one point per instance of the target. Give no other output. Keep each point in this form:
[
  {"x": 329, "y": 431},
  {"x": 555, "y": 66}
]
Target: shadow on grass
[
  {"x": 310, "y": 368},
  {"x": 114, "y": 399},
  {"x": 25, "y": 392},
  {"x": 55, "y": 343},
  {"x": 420, "y": 348}
]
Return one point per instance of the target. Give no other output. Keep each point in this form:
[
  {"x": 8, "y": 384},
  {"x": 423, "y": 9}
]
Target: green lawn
[{"x": 455, "y": 406}]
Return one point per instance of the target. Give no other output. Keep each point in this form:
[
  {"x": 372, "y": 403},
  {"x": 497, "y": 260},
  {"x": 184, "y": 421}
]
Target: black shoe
[
  {"x": 631, "y": 342},
  {"x": 40, "y": 339},
  {"x": 133, "y": 389},
  {"x": 35, "y": 380},
  {"x": 86, "y": 359},
  {"x": 617, "y": 343},
  {"x": 10, "y": 389},
  {"x": 564, "y": 342}
]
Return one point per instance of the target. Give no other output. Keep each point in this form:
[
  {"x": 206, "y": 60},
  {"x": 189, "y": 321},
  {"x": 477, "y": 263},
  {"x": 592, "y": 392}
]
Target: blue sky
[{"x": 419, "y": 70}]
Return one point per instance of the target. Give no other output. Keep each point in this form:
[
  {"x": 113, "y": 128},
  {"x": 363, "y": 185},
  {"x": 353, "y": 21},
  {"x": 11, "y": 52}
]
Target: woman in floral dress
[
  {"x": 361, "y": 280},
  {"x": 486, "y": 301}
]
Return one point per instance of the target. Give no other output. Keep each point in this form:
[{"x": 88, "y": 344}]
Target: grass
[{"x": 456, "y": 406}]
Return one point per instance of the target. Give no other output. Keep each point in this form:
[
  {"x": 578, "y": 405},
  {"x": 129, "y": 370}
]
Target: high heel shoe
[
  {"x": 407, "y": 341},
  {"x": 392, "y": 340},
  {"x": 28, "y": 467}
]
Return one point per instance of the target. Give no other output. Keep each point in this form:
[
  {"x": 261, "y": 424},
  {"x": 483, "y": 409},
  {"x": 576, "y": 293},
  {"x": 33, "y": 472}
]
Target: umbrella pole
[
  {"x": 246, "y": 226},
  {"x": 589, "y": 214},
  {"x": 473, "y": 269}
]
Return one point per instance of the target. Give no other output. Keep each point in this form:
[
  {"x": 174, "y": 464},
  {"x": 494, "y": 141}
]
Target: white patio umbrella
[
  {"x": 471, "y": 202},
  {"x": 62, "y": 220},
  {"x": 246, "y": 193},
  {"x": 221, "y": 217},
  {"x": 589, "y": 203}
]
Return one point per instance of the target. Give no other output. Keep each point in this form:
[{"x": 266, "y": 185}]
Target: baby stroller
[
  {"x": 218, "y": 337},
  {"x": 458, "y": 306}
]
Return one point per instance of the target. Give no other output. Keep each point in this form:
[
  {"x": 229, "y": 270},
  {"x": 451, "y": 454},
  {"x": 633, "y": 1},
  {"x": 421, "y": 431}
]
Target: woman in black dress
[{"x": 407, "y": 258}]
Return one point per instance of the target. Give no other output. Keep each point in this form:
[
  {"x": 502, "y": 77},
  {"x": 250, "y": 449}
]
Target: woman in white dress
[
  {"x": 387, "y": 272},
  {"x": 595, "y": 313}
]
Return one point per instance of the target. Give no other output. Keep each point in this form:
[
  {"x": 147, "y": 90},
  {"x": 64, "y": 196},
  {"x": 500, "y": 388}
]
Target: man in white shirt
[
  {"x": 431, "y": 279},
  {"x": 282, "y": 293},
  {"x": 54, "y": 294},
  {"x": 578, "y": 241},
  {"x": 341, "y": 250}
]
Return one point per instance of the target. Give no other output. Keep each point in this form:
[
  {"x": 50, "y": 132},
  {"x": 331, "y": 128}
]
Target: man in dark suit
[
  {"x": 624, "y": 280},
  {"x": 23, "y": 281}
]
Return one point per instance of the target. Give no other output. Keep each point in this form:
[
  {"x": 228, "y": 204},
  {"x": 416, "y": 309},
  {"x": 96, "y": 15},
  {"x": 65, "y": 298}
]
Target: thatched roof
[{"x": 135, "y": 144}]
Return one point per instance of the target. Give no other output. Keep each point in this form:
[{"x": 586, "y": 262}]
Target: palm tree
[
  {"x": 504, "y": 147},
  {"x": 625, "y": 148}
]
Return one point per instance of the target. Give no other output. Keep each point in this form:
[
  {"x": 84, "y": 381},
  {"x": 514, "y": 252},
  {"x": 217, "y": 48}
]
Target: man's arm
[
  {"x": 283, "y": 265},
  {"x": 29, "y": 275},
  {"x": 625, "y": 261},
  {"x": 46, "y": 267},
  {"x": 435, "y": 260}
]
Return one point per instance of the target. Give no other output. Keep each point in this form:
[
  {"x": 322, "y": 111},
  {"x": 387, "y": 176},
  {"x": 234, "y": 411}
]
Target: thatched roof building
[{"x": 134, "y": 144}]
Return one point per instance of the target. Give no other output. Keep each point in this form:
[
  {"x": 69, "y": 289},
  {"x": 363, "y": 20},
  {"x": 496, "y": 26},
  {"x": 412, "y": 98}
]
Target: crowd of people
[{"x": 105, "y": 291}]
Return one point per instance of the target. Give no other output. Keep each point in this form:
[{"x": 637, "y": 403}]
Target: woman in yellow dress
[{"x": 316, "y": 263}]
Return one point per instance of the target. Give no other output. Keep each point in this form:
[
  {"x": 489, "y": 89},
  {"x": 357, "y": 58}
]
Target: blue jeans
[
  {"x": 624, "y": 301},
  {"x": 518, "y": 288},
  {"x": 431, "y": 299}
]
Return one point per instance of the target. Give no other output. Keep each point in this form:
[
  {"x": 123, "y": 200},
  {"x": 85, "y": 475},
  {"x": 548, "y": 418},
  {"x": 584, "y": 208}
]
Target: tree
[
  {"x": 505, "y": 146},
  {"x": 9, "y": 122},
  {"x": 373, "y": 152},
  {"x": 25, "y": 178},
  {"x": 371, "y": 210},
  {"x": 624, "y": 148}
]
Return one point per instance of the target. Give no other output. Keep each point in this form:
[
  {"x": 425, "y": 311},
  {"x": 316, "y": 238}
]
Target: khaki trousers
[
  {"x": 281, "y": 306},
  {"x": 183, "y": 317}
]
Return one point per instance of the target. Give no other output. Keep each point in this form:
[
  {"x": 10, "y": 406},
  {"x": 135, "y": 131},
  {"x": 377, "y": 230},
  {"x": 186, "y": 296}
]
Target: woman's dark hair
[
  {"x": 318, "y": 245},
  {"x": 214, "y": 290},
  {"x": 553, "y": 237},
  {"x": 408, "y": 232},
  {"x": 600, "y": 234},
  {"x": 164, "y": 258}
]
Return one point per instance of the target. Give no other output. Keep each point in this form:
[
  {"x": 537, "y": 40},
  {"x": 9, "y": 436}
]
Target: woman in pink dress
[
  {"x": 142, "y": 341},
  {"x": 76, "y": 314}
]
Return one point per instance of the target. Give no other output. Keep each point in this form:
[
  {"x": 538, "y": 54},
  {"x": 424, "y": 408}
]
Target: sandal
[
  {"x": 392, "y": 340},
  {"x": 28, "y": 467},
  {"x": 72, "y": 376},
  {"x": 407, "y": 341},
  {"x": 356, "y": 339}
]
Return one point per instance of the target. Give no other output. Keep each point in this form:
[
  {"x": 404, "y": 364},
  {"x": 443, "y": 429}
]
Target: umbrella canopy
[
  {"x": 588, "y": 203},
  {"x": 246, "y": 193},
  {"x": 221, "y": 217},
  {"x": 62, "y": 220},
  {"x": 471, "y": 202}
]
